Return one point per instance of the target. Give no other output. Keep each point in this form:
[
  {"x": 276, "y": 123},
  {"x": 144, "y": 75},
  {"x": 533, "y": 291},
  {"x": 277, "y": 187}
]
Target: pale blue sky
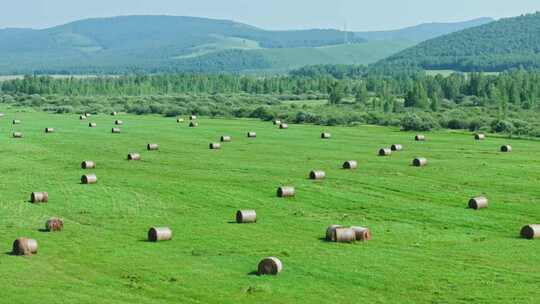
[{"x": 269, "y": 14}]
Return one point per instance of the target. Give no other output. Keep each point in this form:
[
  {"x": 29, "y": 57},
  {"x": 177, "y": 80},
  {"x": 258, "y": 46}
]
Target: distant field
[{"x": 426, "y": 248}]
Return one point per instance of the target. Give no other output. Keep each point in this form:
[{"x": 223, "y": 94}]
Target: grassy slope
[{"x": 427, "y": 247}]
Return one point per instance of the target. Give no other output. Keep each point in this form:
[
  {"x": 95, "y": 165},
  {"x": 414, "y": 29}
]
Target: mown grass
[{"x": 426, "y": 248}]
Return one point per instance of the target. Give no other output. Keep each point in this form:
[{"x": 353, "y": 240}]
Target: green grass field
[{"x": 427, "y": 246}]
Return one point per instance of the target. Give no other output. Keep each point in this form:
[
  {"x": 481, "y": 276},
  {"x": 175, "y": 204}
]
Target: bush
[
  {"x": 502, "y": 126},
  {"x": 413, "y": 122}
]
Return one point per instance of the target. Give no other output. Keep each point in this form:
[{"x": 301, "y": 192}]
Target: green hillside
[{"x": 497, "y": 46}]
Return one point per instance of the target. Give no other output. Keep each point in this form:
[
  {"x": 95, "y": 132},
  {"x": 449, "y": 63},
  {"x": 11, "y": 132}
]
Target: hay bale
[
  {"x": 325, "y": 135},
  {"x": 317, "y": 174},
  {"x": 92, "y": 125},
  {"x": 269, "y": 266},
  {"x": 87, "y": 114},
  {"x": 2, "y": 114},
  {"x": 506, "y": 148},
  {"x": 330, "y": 232},
  {"x": 82, "y": 117},
  {"x": 156, "y": 234},
  {"x": 88, "y": 164},
  {"x": 246, "y": 216},
  {"x": 193, "y": 124},
  {"x": 115, "y": 130},
  {"x": 350, "y": 165},
  {"x": 479, "y": 136},
  {"x": 361, "y": 233},
  {"x": 118, "y": 122},
  {"x": 478, "y": 203},
  {"x": 385, "y": 152},
  {"x": 420, "y": 137},
  {"x": 152, "y": 147},
  {"x": 179, "y": 120},
  {"x": 420, "y": 162},
  {"x": 283, "y": 126},
  {"x": 89, "y": 179},
  {"x": 49, "y": 130},
  {"x": 226, "y": 138},
  {"x": 396, "y": 147},
  {"x": 24, "y": 246},
  {"x": 16, "y": 122},
  {"x": 277, "y": 122},
  {"x": 17, "y": 135},
  {"x": 193, "y": 117},
  {"x": 251, "y": 134},
  {"x": 114, "y": 113},
  {"x": 286, "y": 191},
  {"x": 344, "y": 235},
  {"x": 531, "y": 231},
  {"x": 134, "y": 156},
  {"x": 215, "y": 146},
  {"x": 39, "y": 197},
  {"x": 54, "y": 224}
]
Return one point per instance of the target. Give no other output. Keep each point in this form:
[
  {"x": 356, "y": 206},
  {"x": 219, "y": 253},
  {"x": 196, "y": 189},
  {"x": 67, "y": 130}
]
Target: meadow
[{"x": 427, "y": 247}]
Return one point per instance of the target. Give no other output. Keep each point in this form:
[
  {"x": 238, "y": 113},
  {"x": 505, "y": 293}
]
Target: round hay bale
[
  {"x": 157, "y": 234},
  {"x": 87, "y": 114},
  {"x": 152, "y": 147},
  {"x": 479, "y": 136},
  {"x": 286, "y": 191},
  {"x": 134, "y": 156},
  {"x": 193, "y": 117},
  {"x": 25, "y": 246},
  {"x": 2, "y": 114},
  {"x": 49, "y": 130},
  {"x": 478, "y": 203},
  {"x": 16, "y": 121},
  {"x": 277, "y": 122},
  {"x": 531, "y": 231},
  {"x": 270, "y": 266},
  {"x": 114, "y": 113},
  {"x": 115, "y": 130},
  {"x": 39, "y": 197},
  {"x": 350, "y": 165},
  {"x": 420, "y": 137},
  {"x": 251, "y": 134},
  {"x": 226, "y": 138},
  {"x": 420, "y": 162},
  {"x": 506, "y": 148},
  {"x": 246, "y": 216},
  {"x": 92, "y": 125},
  {"x": 330, "y": 232},
  {"x": 283, "y": 126},
  {"x": 89, "y": 179},
  {"x": 317, "y": 174},
  {"x": 17, "y": 135},
  {"x": 396, "y": 147},
  {"x": 362, "y": 233},
  {"x": 215, "y": 146},
  {"x": 179, "y": 120},
  {"x": 54, "y": 224},
  {"x": 82, "y": 117},
  {"x": 193, "y": 124},
  {"x": 385, "y": 152},
  {"x": 344, "y": 235},
  {"x": 88, "y": 164},
  {"x": 118, "y": 122},
  {"x": 325, "y": 135}
]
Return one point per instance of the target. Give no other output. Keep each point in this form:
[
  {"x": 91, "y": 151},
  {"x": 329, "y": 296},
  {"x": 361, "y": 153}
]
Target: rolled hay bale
[
  {"x": 246, "y": 216},
  {"x": 479, "y": 136},
  {"x": 269, "y": 266},
  {"x": 350, "y": 165},
  {"x": 277, "y": 122},
  {"x": 49, "y": 130},
  {"x": 317, "y": 174},
  {"x": 179, "y": 120},
  {"x": 24, "y": 246},
  {"x": 251, "y": 134},
  {"x": 506, "y": 148},
  {"x": 330, "y": 232},
  {"x": 152, "y": 147},
  {"x": 89, "y": 179},
  {"x": 115, "y": 130},
  {"x": 420, "y": 137},
  {"x": 87, "y": 114},
  {"x": 385, "y": 152},
  {"x": 344, "y": 235},
  {"x": 157, "y": 234},
  {"x": 82, "y": 117},
  {"x": 17, "y": 135},
  {"x": 420, "y": 162},
  {"x": 193, "y": 124},
  {"x": 478, "y": 203},
  {"x": 54, "y": 224},
  {"x": 114, "y": 113},
  {"x": 193, "y": 117},
  {"x": 2, "y": 114},
  {"x": 226, "y": 138},
  {"x": 531, "y": 231},
  {"x": 134, "y": 156},
  {"x": 88, "y": 164},
  {"x": 92, "y": 125},
  {"x": 361, "y": 233},
  {"x": 325, "y": 135},
  {"x": 286, "y": 191},
  {"x": 215, "y": 146},
  {"x": 118, "y": 122},
  {"x": 396, "y": 147},
  {"x": 39, "y": 197},
  {"x": 283, "y": 126},
  {"x": 16, "y": 121}
]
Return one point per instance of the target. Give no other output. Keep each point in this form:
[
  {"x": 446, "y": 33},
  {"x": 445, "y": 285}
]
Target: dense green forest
[
  {"x": 497, "y": 46},
  {"x": 505, "y": 103}
]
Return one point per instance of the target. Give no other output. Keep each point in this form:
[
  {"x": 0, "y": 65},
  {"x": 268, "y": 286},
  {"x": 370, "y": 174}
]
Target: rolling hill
[
  {"x": 497, "y": 46},
  {"x": 174, "y": 44}
]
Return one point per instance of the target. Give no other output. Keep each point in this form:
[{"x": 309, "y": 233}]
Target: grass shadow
[{"x": 253, "y": 273}]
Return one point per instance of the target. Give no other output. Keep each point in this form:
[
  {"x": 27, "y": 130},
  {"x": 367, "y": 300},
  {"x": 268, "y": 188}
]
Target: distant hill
[
  {"x": 497, "y": 46},
  {"x": 173, "y": 44}
]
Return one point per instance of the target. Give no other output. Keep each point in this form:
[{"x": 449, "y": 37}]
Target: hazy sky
[{"x": 270, "y": 14}]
